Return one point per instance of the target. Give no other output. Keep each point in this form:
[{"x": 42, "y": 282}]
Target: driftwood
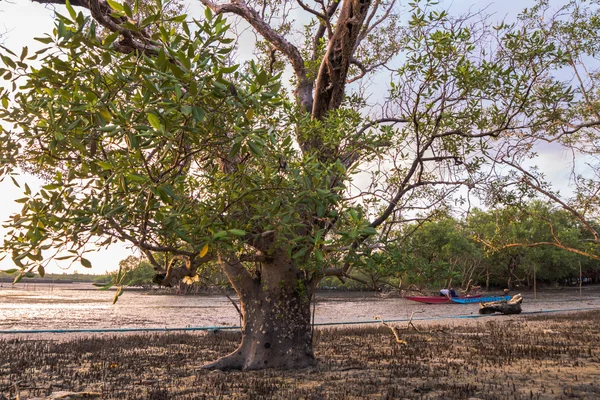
[
  {"x": 512, "y": 306},
  {"x": 396, "y": 331}
]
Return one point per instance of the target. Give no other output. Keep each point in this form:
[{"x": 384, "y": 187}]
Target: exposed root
[
  {"x": 231, "y": 362},
  {"x": 241, "y": 361},
  {"x": 410, "y": 323}
]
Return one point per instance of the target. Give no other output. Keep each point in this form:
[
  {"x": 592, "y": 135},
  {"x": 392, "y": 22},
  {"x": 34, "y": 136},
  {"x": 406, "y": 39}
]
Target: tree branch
[
  {"x": 102, "y": 12},
  {"x": 74, "y": 3},
  {"x": 331, "y": 81},
  {"x": 324, "y": 26},
  {"x": 529, "y": 179},
  {"x": 304, "y": 87}
]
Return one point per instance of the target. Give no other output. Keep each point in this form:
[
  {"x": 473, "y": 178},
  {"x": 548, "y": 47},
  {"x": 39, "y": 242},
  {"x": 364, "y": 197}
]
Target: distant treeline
[
  {"x": 57, "y": 278},
  {"x": 37, "y": 280},
  {"x": 507, "y": 247},
  {"x": 504, "y": 247}
]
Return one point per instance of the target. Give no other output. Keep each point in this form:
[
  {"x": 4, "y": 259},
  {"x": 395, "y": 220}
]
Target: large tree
[{"x": 150, "y": 134}]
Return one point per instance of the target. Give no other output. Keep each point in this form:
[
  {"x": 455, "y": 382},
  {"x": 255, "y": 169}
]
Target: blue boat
[{"x": 467, "y": 300}]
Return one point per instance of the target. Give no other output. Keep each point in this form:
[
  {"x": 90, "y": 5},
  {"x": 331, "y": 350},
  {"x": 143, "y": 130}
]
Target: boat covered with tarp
[
  {"x": 441, "y": 299},
  {"x": 482, "y": 299}
]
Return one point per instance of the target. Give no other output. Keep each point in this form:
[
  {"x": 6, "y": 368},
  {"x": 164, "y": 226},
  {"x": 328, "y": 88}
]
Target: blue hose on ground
[{"x": 217, "y": 328}]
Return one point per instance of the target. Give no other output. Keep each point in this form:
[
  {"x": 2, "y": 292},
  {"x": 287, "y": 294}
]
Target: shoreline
[
  {"x": 84, "y": 310},
  {"x": 65, "y": 335}
]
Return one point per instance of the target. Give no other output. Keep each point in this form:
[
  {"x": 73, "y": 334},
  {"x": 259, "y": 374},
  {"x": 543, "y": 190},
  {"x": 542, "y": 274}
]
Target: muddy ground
[
  {"x": 77, "y": 306},
  {"x": 549, "y": 356}
]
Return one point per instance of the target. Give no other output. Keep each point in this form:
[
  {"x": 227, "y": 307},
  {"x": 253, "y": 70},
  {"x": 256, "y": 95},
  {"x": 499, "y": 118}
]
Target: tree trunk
[{"x": 276, "y": 321}]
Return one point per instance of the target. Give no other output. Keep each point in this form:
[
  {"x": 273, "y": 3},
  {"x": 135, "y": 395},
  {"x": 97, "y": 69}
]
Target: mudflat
[
  {"x": 554, "y": 356},
  {"x": 543, "y": 356},
  {"x": 34, "y": 307}
]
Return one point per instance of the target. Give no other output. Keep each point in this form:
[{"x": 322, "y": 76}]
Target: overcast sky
[{"x": 23, "y": 20}]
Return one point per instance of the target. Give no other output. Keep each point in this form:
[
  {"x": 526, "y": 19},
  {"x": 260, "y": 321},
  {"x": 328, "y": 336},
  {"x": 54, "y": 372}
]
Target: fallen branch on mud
[{"x": 395, "y": 330}]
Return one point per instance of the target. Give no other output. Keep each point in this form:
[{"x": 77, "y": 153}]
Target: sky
[{"x": 23, "y": 20}]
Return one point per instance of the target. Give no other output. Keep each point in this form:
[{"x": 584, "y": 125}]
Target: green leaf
[
  {"x": 7, "y": 61},
  {"x": 127, "y": 10},
  {"x": 136, "y": 177},
  {"x": 154, "y": 121},
  {"x": 262, "y": 78},
  {"x": 300, "y": 253},
  {"x": 11, "y": 271},
  {"x": 104, "y": 286},
  {"x": 168, "y": 190},
  {"x": 110, "y": 39},
  {"x": 198, "y": 113},
  {"x": 86, "y": 263},
  {"x": 179, "y": 18},
  {"x": 115, "y": 5},
  {"x": 220, "y": 235},
  {"x": 105, "y": 165},
  {"x": 45, "y": 40},
  {"x": 318, "y": 255},
  {"x": 70, "y": 9},
  {"x": 230, "y": 69},
  {"x": 118, "y": 294},
  {"x": 23, "y": 53},
  {"x": 237, "y": 232},
  {"x": 255, "y": 148},
  {"x": 320, "y": 210},
  {"x": 235, "y": 149},
  {"x": 368, "y": 231},
  {"x": 41, "y": 270},
  {"x": 203, "y": 251}
]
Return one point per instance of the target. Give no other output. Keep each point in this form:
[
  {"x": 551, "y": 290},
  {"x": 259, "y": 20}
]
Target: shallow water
[{"x": 82, "y": 306}]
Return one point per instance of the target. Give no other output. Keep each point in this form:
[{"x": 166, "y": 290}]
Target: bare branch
[
  {"x": 369, "y": 25},
  {"x": 381, "y": 121},
  {"x": 240, "y": 8},
  {"x": 310, "y": 10},
  {"x": 324, "y": 26},
  {"x": 538, "y": 244},
  {"x": 533, "y": 183}
]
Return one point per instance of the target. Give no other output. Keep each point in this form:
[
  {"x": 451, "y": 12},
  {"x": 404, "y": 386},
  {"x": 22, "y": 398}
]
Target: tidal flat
[
  {"x": 545, "y": 356},
  {"x": 551, "y": 351}
]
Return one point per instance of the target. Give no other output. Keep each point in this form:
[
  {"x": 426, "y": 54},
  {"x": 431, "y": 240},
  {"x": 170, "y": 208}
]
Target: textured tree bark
[
  {"x": 276, "y": 319},
  {"x": 331, "y": 80}
]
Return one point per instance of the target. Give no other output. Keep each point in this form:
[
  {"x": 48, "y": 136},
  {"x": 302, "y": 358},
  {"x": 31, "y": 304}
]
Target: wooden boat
[
  {"x": 480, "y": 299},
  {"x": 440, "y": 299}
]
